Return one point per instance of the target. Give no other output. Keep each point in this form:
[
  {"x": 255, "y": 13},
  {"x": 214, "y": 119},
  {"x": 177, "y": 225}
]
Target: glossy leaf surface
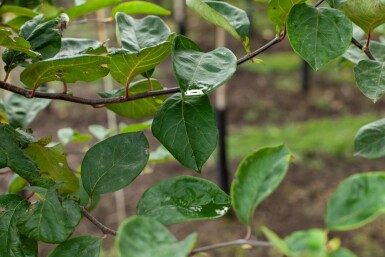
[
  {"x": 370, "y": 78},
  {"x": 318, "y": 35},
  {"x": 84, "y": 246},
  {"x": 199, "y": 73},
  {"x": 114, "y": 163},
  {"x": 11, "y": 243},
  {"x": 370, "y": 140},
  {"x": 67, "y": 69},
  {"x": 183, "y": 198},
  {"x": 139, "y": 108},
  {"x": 140, "y": 7},
  {"x": 187, "y": 128},
  {"x": 143, "y": 237},
  {"x": 258, "y": 175},
  {"x": 357, "y": 201},
  {"x": 89, "y": 7},
  {"x": 278, "y": 10},
  {"x": 49, "y": 229}
]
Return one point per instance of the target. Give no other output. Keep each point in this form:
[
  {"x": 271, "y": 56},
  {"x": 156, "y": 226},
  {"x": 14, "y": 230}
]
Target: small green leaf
[
  {"x": 114, "y": 163},
  {"x": 11, "y": 243},
  {"x": 67, "y": 135},
  {"x": 370, "y": 78},
  {"x": 278, "y": 10},
  {"x": 89, "y": 6},
  {"x": 22, "y": 111},
  {"x": 307, "y": 243},
  {"x": 16, "y": 43},
  {"x": 142, "y": 237},
  {"x": 199, "y": 73},
  {"x": 17, "y": 10},
  {"x": 183, "y": 198},
  {"x": 140, "y": 7},
  {"x": 277, "y": 242},
  {"x": 355, "y": 55},
  {"x": 258, "y": 175},
  {"x": 84, "y": 246},
  {"x": 226, "y": 16},
  {"x": 66, "y": 69},
  {"x": 50, "y": 220},
  {"x": 52, "y": 162},
  {"x": 16, "y": 185},
  {"x": 342, "y": 252},
  {"x": 187, "y": 128},
  {"x": 318, "y": 35},
  {"x": 357, "y": 201},
  {"x": 78, "y": 46},
  {"x": 135, "y": 127},
  {"x": 139, "y": 108},
  {"x": 336, "y": 3},
  {"x": 366, "y": 14},
  {"x": 370, "y": 140}
]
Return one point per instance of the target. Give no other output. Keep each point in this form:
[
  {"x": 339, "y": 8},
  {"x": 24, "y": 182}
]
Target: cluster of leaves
[{"x": 184, "y": 124}]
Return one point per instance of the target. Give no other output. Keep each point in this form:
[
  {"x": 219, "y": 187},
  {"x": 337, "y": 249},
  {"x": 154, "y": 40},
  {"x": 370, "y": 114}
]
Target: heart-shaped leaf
[
  {"x": 140, "y": 7},
  {"x": 139, "y": 108},
  {"x": 370, "y": 78},
  {"x": 187, "y": 128},
  {"x": 370, "y": 140},
  {"x": 89, "y": 6},
  {"x": 357, "y": 201},
  {"x": 318, "y": 35},
  {"x": 258, "y": 175},
  {"x": 114, "y": 163},
  {"x": 142, "y": 237},
  {"x": 85, "y": 246},
  {"x": 278, "y": 10},
  {"x": 199, "y": 73},
  {"x": 183, "y": 198},
  {"x": 366, "y": 14},
  {"x": 50, "y": 220}
]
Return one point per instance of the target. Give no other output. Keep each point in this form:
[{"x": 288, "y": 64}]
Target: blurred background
[{"x": 272, "y": 101}]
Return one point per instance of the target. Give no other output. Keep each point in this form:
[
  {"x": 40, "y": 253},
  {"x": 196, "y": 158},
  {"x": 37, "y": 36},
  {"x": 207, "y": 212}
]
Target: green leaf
[
  {"x": 143, "y": 237},
  {"x": 16, "y": 185},
  {"x": 366, "y": 14},
  {"x": 50, "y": 220},
  {"x": 67, "y": 135},
  {"x": 183, "y": 198},
  {"x": 140, "y": 7},
  {"x": 355, "y": 55},
  {"x": 307, "y": 243},
  {"x": 135, "y": 127},
  {"x": 18, "y": 11},
  {"x": 52, "y": 162},
  {"x": 3, "y": 115},
  {"x": 278, "y": 10},
  {"x": 84, "y": 198},
  {"x": 342, "y": 252},
  {"x": 357, "y": 201},
  {"x": 277, "y": 242},
  {"x": 11, "y": 243},
  {"x": 16, "y": 23},
  {"x": 370, "y": 78},
  {"x": 258, "y": 175},
  {"x": 160, "y": 155},
  {"x": 226, "y": 16},
  {"x": 187, "y": 128},
  {"x": 16, "y": 43},
  {"x": 114, "y": 163},
  {"x": 318, "y": 35},
  {"x": 22, "y": 111},
  {"x": 66, "y": 69},
  {"x": 89, "y": 6},
  {"x": 139, "y": 108},
  {"x": 79, "y": 46},
  {"x": 199, "y": 73},
  {"x": 370, "y": 140},
  {"x": 12, "y": 156},
  {"x": 84, "y": 246},
  {"x": 336, "y": 3}
]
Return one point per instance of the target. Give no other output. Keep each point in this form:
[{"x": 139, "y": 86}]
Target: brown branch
[
  {"x": 103, "y": 228},
  {"x": 363, "y": 48},
  {"x": 230, "y": 244}
]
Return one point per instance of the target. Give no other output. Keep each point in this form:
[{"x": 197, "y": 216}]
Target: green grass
[{"x": 326, "y": 136}]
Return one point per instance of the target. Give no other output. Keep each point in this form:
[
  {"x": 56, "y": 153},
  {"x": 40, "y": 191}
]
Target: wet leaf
[
  {"x": 370, "y": 140},
  {"x": 187, "y": 129},
  {"x": 141, "y": 237},
  {"x": 357, "y": 201},
  {"x": 370, "y": 78},
  {"x": 183, "y": 198},
  {"x": 318, "y": 35},
  {"x": 84, "y": 246},
  {"x": 114, "y": 163},
  {"x": 197, "y": 72},
  {"x": 258, "y": 175},
  {"x": 140, "y": 7}
]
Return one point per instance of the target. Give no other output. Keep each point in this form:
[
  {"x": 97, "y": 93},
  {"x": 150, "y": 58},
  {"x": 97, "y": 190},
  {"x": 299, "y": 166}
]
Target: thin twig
[
  {"x": 365, "y": 49},
  {"x": 230, "y": 244},
  {"x": 103, "y": 228}
]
